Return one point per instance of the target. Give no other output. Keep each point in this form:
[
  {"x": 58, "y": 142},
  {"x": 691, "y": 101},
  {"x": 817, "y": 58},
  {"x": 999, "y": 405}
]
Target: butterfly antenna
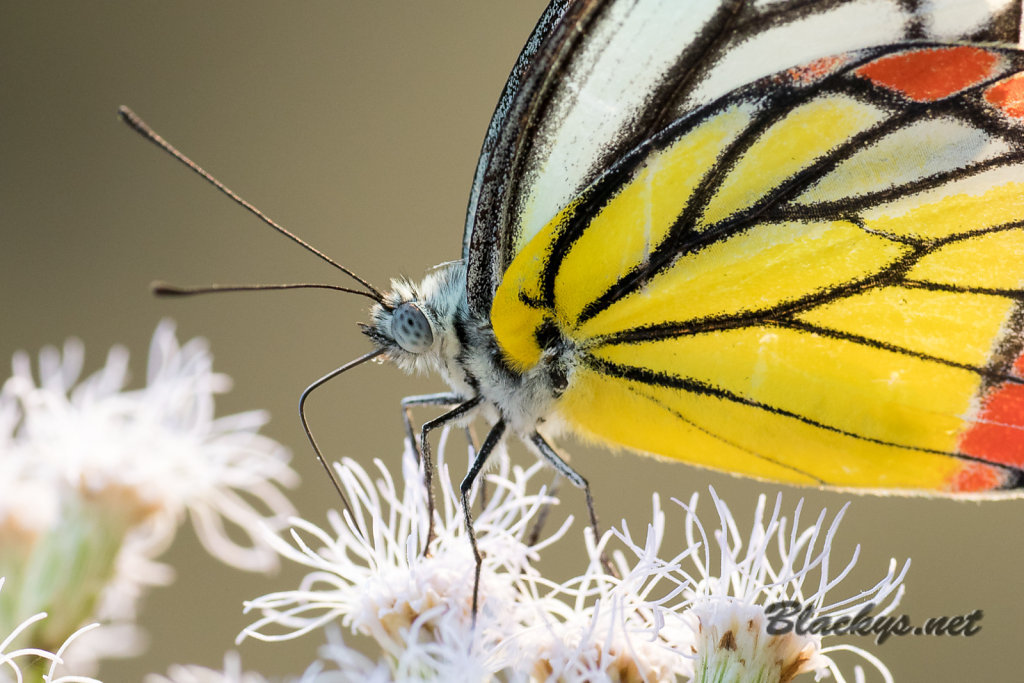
[
  {"x": 140, "y": 126},
  {"x": 165, "y": 289}
]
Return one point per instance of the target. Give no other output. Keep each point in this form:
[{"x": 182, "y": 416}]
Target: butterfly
[{"x": 779, "y": 239}]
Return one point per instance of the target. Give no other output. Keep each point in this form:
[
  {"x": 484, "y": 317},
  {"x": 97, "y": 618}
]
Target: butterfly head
[{"x": 414, "y": 323}]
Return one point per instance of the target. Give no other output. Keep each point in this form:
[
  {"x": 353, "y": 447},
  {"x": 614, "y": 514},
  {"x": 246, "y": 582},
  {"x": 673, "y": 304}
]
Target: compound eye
[{"x": 411, "y": 329}]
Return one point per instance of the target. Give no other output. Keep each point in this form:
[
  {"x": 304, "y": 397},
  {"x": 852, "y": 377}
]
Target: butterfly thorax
[{"x": 429, "y": 328}]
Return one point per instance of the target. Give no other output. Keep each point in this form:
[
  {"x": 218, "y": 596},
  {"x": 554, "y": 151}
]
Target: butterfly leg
[
  {"x": 542, "y": 514},
  {"x": 445, "y": 400},
  {"x": 576, "y": 479},
  {"x": 473, "y": 450},
  {"x": 493, "y": 437},
  {"x": 424, "y": 448}
]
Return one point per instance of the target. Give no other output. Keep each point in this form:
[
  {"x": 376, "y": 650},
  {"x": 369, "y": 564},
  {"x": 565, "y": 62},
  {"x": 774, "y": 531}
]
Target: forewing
[{"x": 598, "y": 77}]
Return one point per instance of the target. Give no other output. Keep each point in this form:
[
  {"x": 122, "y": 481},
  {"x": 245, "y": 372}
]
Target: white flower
[
  {"x": 370, "y": 573},
  {"x": 37, "y": 663},
  {"x": 159, "y": 449},
  {"x": 599, "y": 627},
  {"x": 95, "y": 480},
  {"x": 728, "y": 601}
]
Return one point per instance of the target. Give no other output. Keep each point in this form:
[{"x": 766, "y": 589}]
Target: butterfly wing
[
  {"x": 598, "y": 77},
  {"x": 824, "y": 284}
]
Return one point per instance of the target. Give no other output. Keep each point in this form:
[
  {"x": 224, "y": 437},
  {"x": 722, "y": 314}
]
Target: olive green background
[{"x": 358, "y": 125}]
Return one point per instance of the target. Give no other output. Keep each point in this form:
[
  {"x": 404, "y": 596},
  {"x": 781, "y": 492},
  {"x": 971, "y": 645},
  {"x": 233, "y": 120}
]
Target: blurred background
[{"x": 357, "y": 125}]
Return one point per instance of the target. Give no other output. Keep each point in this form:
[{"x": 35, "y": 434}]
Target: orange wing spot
[
  {"x": 819, "y": 68},
  {"x": 1008, "y": 95},
  {"x": 932, "y": 73},
  {"x": 997, "y": 434},
  {"x": 975, "y": 477}
]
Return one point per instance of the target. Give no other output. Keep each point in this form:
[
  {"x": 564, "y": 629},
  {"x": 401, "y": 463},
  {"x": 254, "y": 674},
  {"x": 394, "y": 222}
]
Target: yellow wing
[{"x": 816, "y": 279}]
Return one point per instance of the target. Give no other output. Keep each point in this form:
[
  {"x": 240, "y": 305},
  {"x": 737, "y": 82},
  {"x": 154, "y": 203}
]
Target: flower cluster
[
  {"x": 691, "y": 614},
  {"x": 96, "y": 479}
]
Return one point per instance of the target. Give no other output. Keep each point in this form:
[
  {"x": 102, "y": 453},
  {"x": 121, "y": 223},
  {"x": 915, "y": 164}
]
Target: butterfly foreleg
[
  {"x": 444, "y": 400},
  {"x": 455, "y": 413},
  {"x": 493, "y": 437}
]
